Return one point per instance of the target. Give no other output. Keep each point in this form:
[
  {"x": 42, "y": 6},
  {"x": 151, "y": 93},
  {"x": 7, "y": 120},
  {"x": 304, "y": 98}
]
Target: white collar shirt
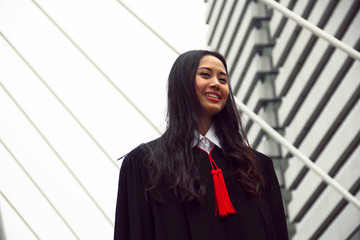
[{"x": 206, "y": 142}]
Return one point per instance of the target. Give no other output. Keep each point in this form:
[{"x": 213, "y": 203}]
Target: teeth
[{"x": 212, "y": 95}]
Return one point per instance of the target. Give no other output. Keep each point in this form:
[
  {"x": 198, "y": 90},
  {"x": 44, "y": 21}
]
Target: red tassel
[
  {"x": 225, "y": 195},
  {"x": 223, "y": 202},
  {"x": 222, "y": 199}
]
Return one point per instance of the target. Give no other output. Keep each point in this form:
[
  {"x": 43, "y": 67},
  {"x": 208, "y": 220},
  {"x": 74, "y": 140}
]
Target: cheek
[
  {"x": 198, "y": 92},
  {"x": 199, "y": 85},
  {"x": 226, "y": 93},
  {"x": 199, "y": 88}
]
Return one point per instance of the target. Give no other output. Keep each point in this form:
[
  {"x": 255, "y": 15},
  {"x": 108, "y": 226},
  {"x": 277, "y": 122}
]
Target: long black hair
[{"x": 172, "y": 161}]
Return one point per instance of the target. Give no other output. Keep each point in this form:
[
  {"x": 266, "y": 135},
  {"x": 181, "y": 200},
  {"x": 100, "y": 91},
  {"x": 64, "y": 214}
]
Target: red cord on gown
[{"x": 223, "y": 203}]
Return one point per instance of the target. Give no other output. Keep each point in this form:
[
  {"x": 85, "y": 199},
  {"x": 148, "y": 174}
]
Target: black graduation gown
[{"x": 138, "y": 217}]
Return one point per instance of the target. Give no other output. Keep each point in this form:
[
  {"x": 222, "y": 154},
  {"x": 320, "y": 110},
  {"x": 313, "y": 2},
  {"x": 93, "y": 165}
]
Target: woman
[{"x": 200, "y": 179}]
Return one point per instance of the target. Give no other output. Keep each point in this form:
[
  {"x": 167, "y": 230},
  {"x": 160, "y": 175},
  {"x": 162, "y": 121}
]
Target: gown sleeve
[
  {"x": 274, "y": 200},
  {"x": 133, "y": 216}
]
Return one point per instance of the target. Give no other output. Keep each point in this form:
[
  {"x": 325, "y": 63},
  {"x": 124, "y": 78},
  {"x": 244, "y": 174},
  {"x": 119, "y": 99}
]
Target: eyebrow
[{"x": 209, "y": 69}]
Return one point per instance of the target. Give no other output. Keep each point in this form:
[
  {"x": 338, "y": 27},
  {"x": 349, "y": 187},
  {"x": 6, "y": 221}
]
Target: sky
[{"x": 63, "y": 117}]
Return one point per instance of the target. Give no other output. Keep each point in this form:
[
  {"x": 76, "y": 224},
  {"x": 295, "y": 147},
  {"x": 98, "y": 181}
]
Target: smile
[
  {"x": 214, "y": 98},
  {"x": 211, "y": 95}
]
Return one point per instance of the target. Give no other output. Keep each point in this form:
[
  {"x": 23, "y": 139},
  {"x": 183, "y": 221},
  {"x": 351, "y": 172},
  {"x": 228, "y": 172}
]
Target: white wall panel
[
  {"x": 276, "y": 18},
  {"x": 329, "y": 157},
  {"x": 258, "y": 64},
  {"x": 288, "y": 31},
  {"x": 209, "y": 7},
  {"x": 319, "y": 129},
  {"x": 261, "y": 91},
  {"x": 256, "y": 37},
  {"x": 347, "y": 221},
  {"x": 214, "y": 16},
  {"x": 232, "y": 27},
  {"x": 222, "y": 23},
  {"x": 253, "y": 132},
  {"x": 329, "y": 199},
  {"x": 311, "y": 63},
  {"x": 254, "y": 10},
  {"x": 295, "y": 53}
]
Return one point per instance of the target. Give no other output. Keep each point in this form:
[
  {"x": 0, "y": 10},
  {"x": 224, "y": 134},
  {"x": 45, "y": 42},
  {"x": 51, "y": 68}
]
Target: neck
[{"x": 204, "y": 126}]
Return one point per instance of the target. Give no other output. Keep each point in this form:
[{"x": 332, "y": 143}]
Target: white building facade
[{"x": 307, "y": 90}]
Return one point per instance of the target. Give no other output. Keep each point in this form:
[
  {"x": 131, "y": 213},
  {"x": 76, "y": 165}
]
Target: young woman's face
[{"x": 211, "y": 85}]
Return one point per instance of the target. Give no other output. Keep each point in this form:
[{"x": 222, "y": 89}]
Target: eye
[
  {"x": 223, "y": 80},
  {"x": 205, "y": 74}
]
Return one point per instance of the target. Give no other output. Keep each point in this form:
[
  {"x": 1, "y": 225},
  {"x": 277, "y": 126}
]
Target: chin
[{"x": 213, "y": 111}]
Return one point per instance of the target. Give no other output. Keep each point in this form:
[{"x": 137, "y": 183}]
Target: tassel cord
[{"x": 222, "y": 199}]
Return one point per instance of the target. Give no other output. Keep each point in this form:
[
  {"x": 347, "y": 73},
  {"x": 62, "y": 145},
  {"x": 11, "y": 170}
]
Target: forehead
[{"x": 212, "y": 62}]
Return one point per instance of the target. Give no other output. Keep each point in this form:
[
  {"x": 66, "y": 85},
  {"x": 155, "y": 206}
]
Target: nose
[{"x": 214, "y": 83}]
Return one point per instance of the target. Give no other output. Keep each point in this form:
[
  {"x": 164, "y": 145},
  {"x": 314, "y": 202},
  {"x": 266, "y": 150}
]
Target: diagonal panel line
[
  {"x": 60, "y": 101},
  {"x": 18, "y": 213},
  {"x": 99, "y": 69},
  {"x": 148, "y": 27},
  {"x": 58, "y": 155},
  {"x": 314, "y": 29},
  {"x": 39, "y": 189}
]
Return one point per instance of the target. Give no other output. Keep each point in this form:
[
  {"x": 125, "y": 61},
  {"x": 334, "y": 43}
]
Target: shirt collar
[{"x": 210, "y": 135}]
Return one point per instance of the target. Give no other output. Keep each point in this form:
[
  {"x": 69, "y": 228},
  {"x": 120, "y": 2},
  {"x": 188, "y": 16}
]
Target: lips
[{"x": 214, "y": 97}]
